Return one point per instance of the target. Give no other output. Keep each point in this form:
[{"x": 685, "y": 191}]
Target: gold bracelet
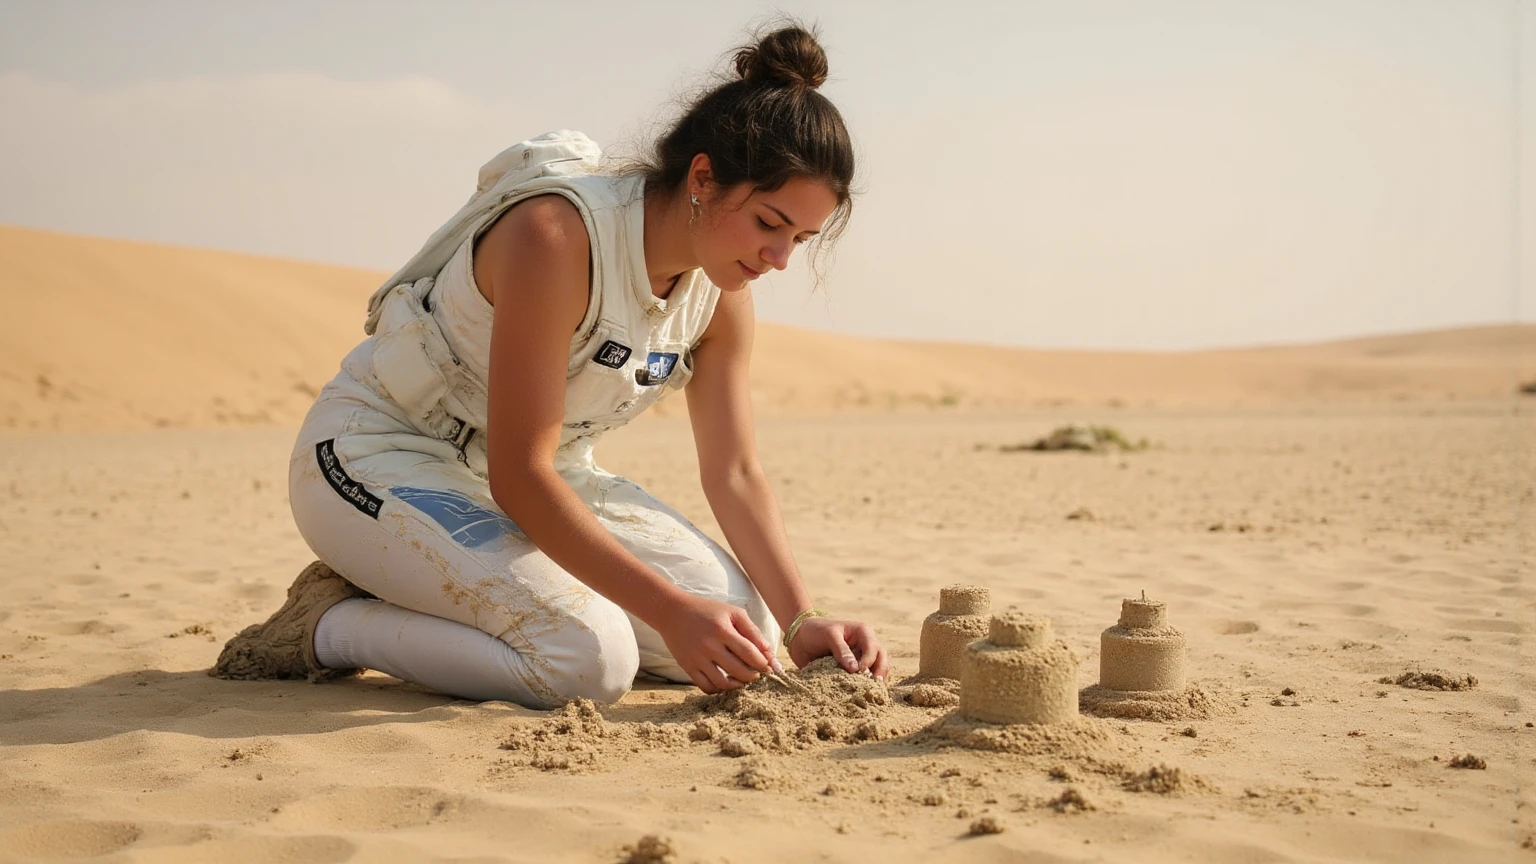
[{"x": 794, "y": 626}]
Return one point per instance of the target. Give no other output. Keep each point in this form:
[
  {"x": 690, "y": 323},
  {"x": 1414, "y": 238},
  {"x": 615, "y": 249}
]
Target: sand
[
  {"x": 220, "y": 339},
  {"x": 1142, "y": 652},
  {"x": 1020, "y": 673},
  {"x": 962, "y": 618},
  {"x": 1390, "y": 528}
]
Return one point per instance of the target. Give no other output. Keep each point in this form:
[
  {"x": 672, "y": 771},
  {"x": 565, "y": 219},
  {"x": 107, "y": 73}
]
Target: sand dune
[{"x": 108, "y": 334}]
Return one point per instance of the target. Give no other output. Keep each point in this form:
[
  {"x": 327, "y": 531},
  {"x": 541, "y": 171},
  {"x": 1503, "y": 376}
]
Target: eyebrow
[{"x": 788, "y": 221}]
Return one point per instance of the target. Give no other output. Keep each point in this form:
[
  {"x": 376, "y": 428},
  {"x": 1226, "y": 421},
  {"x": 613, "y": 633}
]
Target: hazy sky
[{"x": 1059, "y": 173}]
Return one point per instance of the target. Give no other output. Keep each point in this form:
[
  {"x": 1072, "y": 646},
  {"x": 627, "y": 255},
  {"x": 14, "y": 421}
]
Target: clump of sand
[
  {"x": 985, "y": 825},
  {"x": 1195, "y": 702},
  {"x": 1070, "y": 801},
  {"x": 1470, "y": 761},
  {"x": 936, "y": 693},
  {"x": 759, "y": 774},
  {"x": 650, "y": 849},
  {"x": 1162, "y": 780},
  {"x": 1433, "y": 679},
  {"x": 832, "y": 706},
  {"x": 1091, "y": 439}
]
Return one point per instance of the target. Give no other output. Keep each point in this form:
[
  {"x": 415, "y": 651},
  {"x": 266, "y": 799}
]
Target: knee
[{"x": 595, "y": 658}]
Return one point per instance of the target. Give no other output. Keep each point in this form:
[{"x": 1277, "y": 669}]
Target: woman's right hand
[{"x": 715, "y": 643}]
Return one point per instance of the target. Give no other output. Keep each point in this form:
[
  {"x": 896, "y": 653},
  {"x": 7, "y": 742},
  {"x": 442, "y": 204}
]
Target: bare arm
[
  {"x": 720, "y": 407},
  {"x": 534, "y": 263}
]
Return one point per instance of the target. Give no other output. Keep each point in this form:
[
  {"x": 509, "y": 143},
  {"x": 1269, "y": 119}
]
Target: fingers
[
  {"x": 869, "y": 646},
  {"x": 711, "y": 680},
  {"x": 843, "y": 652},
  {"x": 750, "y": 651},
  {"x": 763, "y": 659},
  {"x": 733, "y": 659},
  {"x": 701, "y": 681},
  {"x": 882, "y": 664}
]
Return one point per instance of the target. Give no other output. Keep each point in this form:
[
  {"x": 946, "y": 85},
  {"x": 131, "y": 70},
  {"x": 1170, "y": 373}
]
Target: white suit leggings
[{"x": 468, "y": 606}]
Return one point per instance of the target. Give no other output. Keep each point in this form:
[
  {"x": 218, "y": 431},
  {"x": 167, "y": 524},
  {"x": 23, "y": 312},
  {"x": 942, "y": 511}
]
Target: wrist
[
  {"x": 795, "y": 625},
  {"x": 668, "y": 602}
]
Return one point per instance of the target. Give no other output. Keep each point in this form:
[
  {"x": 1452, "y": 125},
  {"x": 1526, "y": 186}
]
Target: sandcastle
[
  {"x": 1019, "y": 674},
  {"x": 961, "y": 620},
  {"x": 1142, "y": 652}
]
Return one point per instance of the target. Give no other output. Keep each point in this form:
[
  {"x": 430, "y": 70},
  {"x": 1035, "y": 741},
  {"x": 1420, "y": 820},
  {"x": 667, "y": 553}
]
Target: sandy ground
[{"x": 1306, "y": 552}]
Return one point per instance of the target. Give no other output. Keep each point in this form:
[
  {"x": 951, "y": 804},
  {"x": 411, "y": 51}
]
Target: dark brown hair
[{"x": 765, "y": 126}]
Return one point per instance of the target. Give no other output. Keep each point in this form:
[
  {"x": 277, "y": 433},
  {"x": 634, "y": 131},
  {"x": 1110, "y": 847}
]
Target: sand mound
[
  {"x": 1163, "y": 780},
  {"x": 650, "y": 849},
  {"x": 576, "y": 737},
  {"x": 834, "y": 707},
  {"x": 1194, "y": 702},
  {"x": 934, "y": 693},
  {"x": 822, "y": 705},
  {"x": 1089, "y": 744},
  {"x": 1433, "y": 679},
  {"x": 1470, "y": 760}
]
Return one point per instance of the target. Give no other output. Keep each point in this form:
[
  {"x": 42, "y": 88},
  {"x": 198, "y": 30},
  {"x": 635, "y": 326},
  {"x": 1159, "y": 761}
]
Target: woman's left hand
[{"x": 852, "y": 643}]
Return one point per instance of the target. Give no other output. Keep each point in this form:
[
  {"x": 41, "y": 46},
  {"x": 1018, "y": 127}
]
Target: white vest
[{"x": 630, "y": 345}]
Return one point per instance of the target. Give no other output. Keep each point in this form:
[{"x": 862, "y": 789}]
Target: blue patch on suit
[
  {"x": 469, "y": 524},
  {"x": 658, "y": 368}
]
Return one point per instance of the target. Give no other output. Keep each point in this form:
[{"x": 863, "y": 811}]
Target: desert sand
[{"x": 1323, "y": 522}]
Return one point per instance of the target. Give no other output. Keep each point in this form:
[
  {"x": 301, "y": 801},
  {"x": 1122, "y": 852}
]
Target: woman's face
[{"x": 743, "y": 232}]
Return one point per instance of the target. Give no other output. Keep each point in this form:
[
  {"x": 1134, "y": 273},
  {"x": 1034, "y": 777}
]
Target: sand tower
[
  {"x": 961, "y": 620},
  {"x": 1019, "y": 674},
  {"x": 1142, "y": 652}
]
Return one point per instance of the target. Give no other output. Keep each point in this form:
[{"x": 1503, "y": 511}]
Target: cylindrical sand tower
[
  {"x": 961, "y": 620},
  {"x": 1019, "y": 674},
  {"x": 1142, "y": 652}
]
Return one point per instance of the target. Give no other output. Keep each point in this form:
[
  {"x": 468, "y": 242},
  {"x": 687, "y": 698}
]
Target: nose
[{"x": 777, "y": 255}]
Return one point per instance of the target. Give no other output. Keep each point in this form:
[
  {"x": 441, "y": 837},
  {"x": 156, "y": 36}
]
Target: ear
[{"x": 700, "y": 177}]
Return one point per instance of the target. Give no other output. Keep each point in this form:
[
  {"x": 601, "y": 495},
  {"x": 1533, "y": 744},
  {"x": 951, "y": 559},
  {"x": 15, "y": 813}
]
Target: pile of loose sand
[
  {"x": 650, "y": 849},
  {"x": 831, "y": 705},
  {"x": 1088, "y": 743},
  {"x": 575, "y": 737},
  {"x": 1433, "y": 679},
  {"x": 820, "y": 704},
  {"x": 1163, "y": 780},
  {"x": 1195, "y": 702}
]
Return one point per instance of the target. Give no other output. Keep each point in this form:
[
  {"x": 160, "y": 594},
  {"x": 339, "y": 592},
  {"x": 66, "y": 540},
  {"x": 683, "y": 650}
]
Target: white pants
[{"x": 467, "y": 604}]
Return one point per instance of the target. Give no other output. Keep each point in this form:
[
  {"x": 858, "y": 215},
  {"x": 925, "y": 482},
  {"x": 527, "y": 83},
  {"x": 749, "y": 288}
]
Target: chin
[{"x": 728, "y": 278}]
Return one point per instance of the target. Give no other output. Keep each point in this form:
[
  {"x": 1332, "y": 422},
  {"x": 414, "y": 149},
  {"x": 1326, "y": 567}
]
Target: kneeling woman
[{"x": 445, "y": 476}]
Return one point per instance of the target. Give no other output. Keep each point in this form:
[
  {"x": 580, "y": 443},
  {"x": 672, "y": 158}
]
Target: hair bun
[{"x": 788, "y": 57}]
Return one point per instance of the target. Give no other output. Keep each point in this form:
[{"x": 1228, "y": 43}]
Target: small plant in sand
[
  {"x": 1529, "y": 387},
  {"x": 1088, "y": 439}
]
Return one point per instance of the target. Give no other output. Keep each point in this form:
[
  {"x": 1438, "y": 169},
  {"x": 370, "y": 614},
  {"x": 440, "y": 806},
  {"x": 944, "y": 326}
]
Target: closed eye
[{"x": 764, "y": 223}]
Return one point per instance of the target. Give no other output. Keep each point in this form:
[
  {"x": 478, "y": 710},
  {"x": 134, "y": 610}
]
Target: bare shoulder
[
  {"x": 546, "y": 237},
  {"x": 733, "y": 319}
]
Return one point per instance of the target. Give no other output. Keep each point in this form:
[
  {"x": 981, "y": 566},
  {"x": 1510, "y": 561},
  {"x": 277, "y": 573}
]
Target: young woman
[{"x": 445, "y": 476}]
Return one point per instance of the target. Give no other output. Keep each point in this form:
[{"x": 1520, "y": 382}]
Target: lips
[{"x": 748, "y": 271}]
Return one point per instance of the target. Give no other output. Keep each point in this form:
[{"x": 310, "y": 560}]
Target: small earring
[{"x": 693, "y": 208}]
